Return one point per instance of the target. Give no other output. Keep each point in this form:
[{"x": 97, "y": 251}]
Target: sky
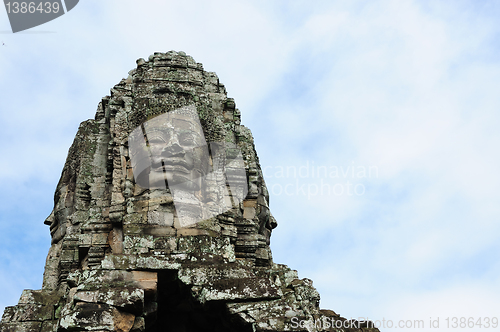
[{"x": 375, "y": 122}]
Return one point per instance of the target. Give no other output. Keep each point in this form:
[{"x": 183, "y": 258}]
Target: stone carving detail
[
  {"x": 170, "y": 156},
  {"x": 161, "y": 219}
]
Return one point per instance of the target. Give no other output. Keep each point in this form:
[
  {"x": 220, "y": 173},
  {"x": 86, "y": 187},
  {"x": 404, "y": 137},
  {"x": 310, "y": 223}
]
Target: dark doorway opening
[{"x": 177, "y": 310}]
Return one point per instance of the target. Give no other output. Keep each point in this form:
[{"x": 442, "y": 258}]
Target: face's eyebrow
[{"x": 158, "y": 131}]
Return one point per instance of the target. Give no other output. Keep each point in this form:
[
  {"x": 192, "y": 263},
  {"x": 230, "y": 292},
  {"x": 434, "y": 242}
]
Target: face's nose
[{"x": 173, "y": 147}]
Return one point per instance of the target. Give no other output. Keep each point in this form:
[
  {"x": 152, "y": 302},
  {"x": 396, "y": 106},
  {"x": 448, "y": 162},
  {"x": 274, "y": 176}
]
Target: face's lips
[
  {"x": 171, "y": 164},
  {"x": 172, "y": 168},
  {"x": 53, "y": 228}
]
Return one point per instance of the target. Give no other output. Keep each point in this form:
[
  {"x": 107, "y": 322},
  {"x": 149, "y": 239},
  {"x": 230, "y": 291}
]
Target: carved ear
[
  {"x": 272, "y": 222},
  {"x": 50, "y": 219}
]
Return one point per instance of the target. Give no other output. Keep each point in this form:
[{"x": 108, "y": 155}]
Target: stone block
[
  {"x": 163, "y": 199},
  {"x": 262, "y": 253},
  {"x": 33, "y": 312},
  {"x": 21, "y": 327},
  {"x": 69, "y": 255},
  {"x": 85, "y": 239},
  {"x": 240, "y": 289},
  {"x": 203, "y": 244},
  {"x": 129, "y": 299},
  {"x": 105, "y": 212},
  {"x": 249, "y": 212},
  {"x": 116, "y": 217},
  {"x": 148, "y": 281},
  {"x": 167, "y": 243},
  {"x": 117, "y": 198},
  {"x": 139, "y": 325},
  {"x": 136, "y": 242},
  {"x": 137, "y": 206},
  {"x": 159, "y": 230},
  {"x": 86, "y": 296},
  {"x": 49, "y": 326},
  {"x": 41, "y": 297},
  {"x": 194, "y": 232},
  {"x": 29, "y": 296},
  {"x": 116, "y": 208},
  {"x": 122, "y": 321},
  {"x": 250, "y": 203},
  {"x": 229, "y": 230},
  {"x": 97, "y": 317},
  {"x": 8, "y": 314},
  {"x": 115, "y": 240},
  {"x": 99, "y": 239},
  {"x": 161, "y": 218},
  {"x": 135, "y": 219}
]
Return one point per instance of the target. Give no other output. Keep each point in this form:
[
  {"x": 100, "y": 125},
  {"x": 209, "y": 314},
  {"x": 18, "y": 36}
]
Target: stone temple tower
[{"x": 161, "y": 220}]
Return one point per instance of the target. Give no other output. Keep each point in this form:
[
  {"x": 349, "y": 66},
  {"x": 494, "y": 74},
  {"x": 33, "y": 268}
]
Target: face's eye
[
  {"x": 155, "y": 136},
  {"x": 187, "y": 139},
  {"x": 160, "y": 137},
  {"x": 156, "y": 141}
]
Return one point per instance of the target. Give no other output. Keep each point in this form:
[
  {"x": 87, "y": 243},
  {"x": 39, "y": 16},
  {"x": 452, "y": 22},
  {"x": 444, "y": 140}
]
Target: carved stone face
[
  {"x": 178, "y": 152},
  {"x": 170, "y": 151}
]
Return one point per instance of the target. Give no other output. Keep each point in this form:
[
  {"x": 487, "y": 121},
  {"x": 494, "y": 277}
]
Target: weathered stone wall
[{"x": 120, "y": 259}]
